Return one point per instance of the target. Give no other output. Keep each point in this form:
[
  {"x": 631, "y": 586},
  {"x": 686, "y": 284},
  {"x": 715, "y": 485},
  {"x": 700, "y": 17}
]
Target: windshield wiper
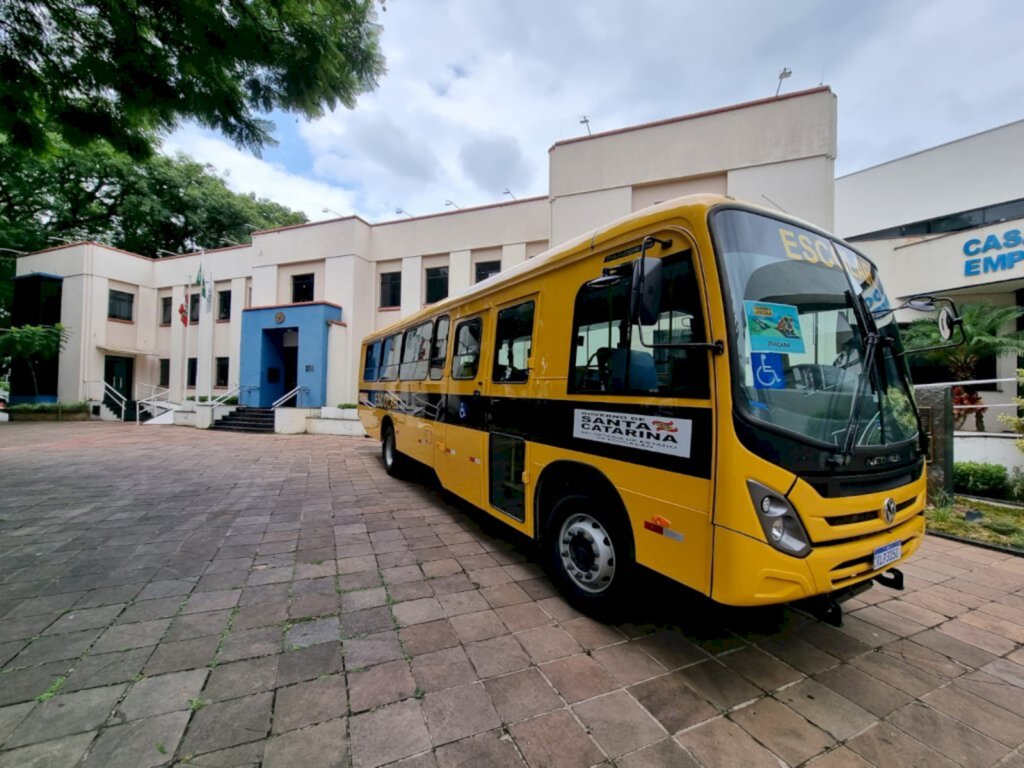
[{"x": 849, "y": 442}]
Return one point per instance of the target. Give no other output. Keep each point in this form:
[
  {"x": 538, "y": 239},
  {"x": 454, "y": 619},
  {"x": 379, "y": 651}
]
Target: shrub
[
  {"x": 347, "y": 405},
  {"x": 1016, "y": 485},
  {"x": 979, "y": 478},
  {"x": 82, "y": 407}
]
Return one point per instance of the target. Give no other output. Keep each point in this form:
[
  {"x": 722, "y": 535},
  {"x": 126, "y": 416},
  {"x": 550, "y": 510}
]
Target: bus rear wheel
[
  {"x": 589, "y": 553},
  {"x": 394, "y": 462}
]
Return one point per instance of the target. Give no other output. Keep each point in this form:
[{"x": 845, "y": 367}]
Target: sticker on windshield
[
  {"x": 659, "y": 434},
  {"x": 773, "y": 327},
  {"x": 768, "y": 371}
]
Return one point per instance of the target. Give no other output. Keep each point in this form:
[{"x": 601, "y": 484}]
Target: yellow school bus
[{"x": 705, "y": 388}]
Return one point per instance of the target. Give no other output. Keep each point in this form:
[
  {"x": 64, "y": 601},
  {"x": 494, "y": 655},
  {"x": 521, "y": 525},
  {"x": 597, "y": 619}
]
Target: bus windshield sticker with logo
[{"x": 645, "y": 433}]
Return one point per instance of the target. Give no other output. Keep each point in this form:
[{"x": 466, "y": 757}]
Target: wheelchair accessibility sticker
[
  {"x": 773, "y": 327},
  {"x": 768, "y": 373}
]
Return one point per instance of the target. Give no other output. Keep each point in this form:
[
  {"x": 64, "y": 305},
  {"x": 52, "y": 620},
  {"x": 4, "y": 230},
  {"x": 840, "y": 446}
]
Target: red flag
[{"x": 183, "y": 314}]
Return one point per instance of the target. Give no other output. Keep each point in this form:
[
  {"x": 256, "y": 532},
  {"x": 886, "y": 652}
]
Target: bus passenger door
[{"x": 465, "y": 438}]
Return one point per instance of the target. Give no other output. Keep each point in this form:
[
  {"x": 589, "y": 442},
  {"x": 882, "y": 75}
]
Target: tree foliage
[
  {"x": 98, "y": 193},
  {"x": 28, "y": 344},
  {"x": 126, "y": 71}
]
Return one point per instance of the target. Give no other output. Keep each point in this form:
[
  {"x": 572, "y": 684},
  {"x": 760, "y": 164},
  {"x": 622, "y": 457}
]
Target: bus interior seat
[{"x": 643, "y": 374}]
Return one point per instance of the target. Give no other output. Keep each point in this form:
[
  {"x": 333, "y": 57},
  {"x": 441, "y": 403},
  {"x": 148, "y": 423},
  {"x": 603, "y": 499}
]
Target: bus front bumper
[{"x": 748, "y": 571}]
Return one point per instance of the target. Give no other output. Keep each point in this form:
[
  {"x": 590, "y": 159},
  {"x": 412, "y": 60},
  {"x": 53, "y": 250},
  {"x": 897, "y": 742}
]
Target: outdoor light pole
[
  {"x": 403, "y": 212},
  {"x": 586, "y": 121},
  {"x": 450, "y": 204},
  {"x": 785, "y": 73},
  {"x": 509, "y": 193},
  {"x": 329, "y": 210}
]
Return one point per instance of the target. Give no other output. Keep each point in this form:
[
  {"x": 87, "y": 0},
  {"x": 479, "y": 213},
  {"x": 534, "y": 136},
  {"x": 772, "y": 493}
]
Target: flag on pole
[{"x": 183, "y": 309}]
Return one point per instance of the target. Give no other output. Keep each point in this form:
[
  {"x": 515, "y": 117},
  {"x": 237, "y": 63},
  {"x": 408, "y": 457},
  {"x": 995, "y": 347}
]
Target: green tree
[
  {"x": 983, "y": 326},
  {"x": 97, "y": 193},
  {"x": 28, "y": 344},
  {"x": 126, "y": 71}
]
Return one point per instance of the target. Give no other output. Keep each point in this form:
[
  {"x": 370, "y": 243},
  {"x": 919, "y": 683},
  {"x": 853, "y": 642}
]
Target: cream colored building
[{"x": 352, "y": 276}]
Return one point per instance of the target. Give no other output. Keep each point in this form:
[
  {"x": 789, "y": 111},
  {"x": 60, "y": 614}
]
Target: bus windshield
[{"x": 802, "y": 307}]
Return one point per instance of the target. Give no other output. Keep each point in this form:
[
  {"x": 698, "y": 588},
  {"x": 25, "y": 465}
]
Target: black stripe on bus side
[{"x": 551, "y": 422}]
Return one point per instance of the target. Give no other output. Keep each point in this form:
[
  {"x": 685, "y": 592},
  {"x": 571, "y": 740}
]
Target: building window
[
  {"x": 222, "y": 372},
  {"x": 302, "y": 288},
  {"x": 191, "y": 373},
  {"x": 512, "y": 343},
  {"x": 165, "y": 372},
  {"x": 193, "y": 308},
  {"x": 437, "y": 284},
  {"x": 165, "y": 310},
  {"x": 223, "y": 305},
  {"x": 390, "y": 289},
  {"x": 119, "y": 305},
  {"x": 485, "y": 269}
]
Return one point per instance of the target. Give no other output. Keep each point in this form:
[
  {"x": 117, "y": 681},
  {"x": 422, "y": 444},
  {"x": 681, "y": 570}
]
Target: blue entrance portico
[{"x": 284, "y": 347}]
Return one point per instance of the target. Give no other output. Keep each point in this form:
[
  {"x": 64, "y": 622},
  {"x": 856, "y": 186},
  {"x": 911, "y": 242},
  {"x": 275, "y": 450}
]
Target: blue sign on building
[
  {"x": 992, "y": 254},
  {"x": 283, "y": 348}
]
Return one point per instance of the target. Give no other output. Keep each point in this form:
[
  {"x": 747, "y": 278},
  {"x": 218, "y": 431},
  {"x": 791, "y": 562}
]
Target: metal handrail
[
  {"x": 971, "y": 383},
  {"x": 288, "y": 396},
  {"x": 154, "y": 402},
  {"x": 117, "y": 397},
  {"x": 156, "y": 392},
  {"x": 230, "y": 393}
]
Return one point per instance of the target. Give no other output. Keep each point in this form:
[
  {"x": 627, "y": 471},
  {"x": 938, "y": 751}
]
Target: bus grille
[{"x": 860, "y": 517}]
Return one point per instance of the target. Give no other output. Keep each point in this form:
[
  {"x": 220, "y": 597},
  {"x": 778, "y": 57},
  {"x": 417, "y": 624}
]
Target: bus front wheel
[
  {"x": 589, "y": 553},
  {"x": 393, "y": 460}
]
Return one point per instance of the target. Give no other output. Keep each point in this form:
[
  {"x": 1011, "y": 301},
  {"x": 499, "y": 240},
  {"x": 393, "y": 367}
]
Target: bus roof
[{"x": 651, "y": 214}]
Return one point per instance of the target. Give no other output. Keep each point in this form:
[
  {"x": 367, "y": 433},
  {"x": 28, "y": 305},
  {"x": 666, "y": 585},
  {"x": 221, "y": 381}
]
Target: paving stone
[
  {"x": 947, "y": 736},
  {"x": 980, "y": 638},
  {"x": 442, "y": 669},
  {"x": 555, "y": 740},
  {"x": 480, "y": 625},
  {"x": 184, "y": 654},
  {"x": 11, "y": 716},
  {"x": 314, "y": 605},
  {"x": 844, "y": 757},
  {"x": 388, "y": 734},
  {"x": 501, "y": 595},
  {"x": 672, "y": 702},
  {"x": 48, "y": 754},
  {"x": 65, "y": 715},
  {"x": 241, "y": 678},
  {"x": 883, "y": 744},
  {"x": 121, "y": 637},
  {"x": 200, "y": 602},
  {"x": 458, "y": 712},
  {"x": 197, "y": 625},
  {"x": 363, "y": 598},
  {"x": 139, "y": 744},
  {"x": 864, "y": 690},
  {"x": 896, "y": 673},
  {"x": 723, "y": 744},
  {"x": 162, "y": 694},
  {"x": 314, "y": 632},
  {"x": 521, "y": 695},
  {"x": 492, "y": 749},
  {"x": 628, "y": 663},
  {"x": 106, "y": 669},
  {"x": 309, "y": 663},
  {"x": 319, "y": 746},
  {"x": 372, "y": 649},
  {"x": 497, "y": 656},
  {"x": 663, "y": 754},
  {"x": 316, "y": 701},
  {"x": 831, "y": 712},
  {"x": 149, "y": 610},
  {"x": 429, "y": 637},
  {"x": 782, "y": 730},
  {"x": 1000, "y": 724},
  {"x": 382, "y": 684},
  {"x": 578, "y": 677},
  {"x": 547, "y": 643},
  {"x": 25, "y": 684},
  {"x": 762, "y": 670},
  {"x": 228, "y": 723},
  {"x": 799, "y": 655},
  {"x": 618, "y": 723},
  {"x": 50, "y": 648},
  {"x": 85, "y": 618},
  {"x": 671, "y": 649},
  {"x": 522, "y": 616}
]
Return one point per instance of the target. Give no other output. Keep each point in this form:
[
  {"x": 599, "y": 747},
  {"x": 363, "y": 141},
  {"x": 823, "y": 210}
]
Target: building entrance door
[
  {"x": 290, "y": 377},
  {"x": 119, "y": 372}
]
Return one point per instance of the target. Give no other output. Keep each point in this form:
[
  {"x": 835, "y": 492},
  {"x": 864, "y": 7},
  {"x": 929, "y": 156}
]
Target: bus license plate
[{"x": 884, "y": 555}]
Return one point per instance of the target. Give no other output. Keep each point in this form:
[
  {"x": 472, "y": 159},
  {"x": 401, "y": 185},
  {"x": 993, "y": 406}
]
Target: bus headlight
[{"x": 780, "y": 522}]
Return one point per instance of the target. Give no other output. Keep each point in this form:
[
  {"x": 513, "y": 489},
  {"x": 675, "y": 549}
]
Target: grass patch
[
  {"x": 1003, "y": 526},
  {"x": 52, "y": 690}
]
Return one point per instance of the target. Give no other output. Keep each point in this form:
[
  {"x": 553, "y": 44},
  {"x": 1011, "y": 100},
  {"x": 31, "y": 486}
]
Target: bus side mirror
[
  {"x": 947, "y": 323},
  {"x": 645, "y": 296}
]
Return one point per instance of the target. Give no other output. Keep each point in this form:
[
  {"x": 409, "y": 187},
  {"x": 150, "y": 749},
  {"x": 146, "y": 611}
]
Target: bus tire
[
  {"x": 394, "y": 461},
  {"x": 589, "y": 553}
]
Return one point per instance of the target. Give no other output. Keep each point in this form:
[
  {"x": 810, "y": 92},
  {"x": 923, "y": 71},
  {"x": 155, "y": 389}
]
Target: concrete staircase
[{"x": 247, "y": 420}]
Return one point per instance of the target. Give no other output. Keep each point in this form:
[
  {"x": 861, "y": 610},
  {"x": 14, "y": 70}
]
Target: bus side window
[
  {"x": 608, "y": 355},
  {"x": 512, "y": 342},
  {"x": 372, "y": 362},
  {"x": 466, "y": 356},
  {"x": 439, "y": 348},
  {"x": 414, "y": 357},
  {"x": 391, "y": 351}
]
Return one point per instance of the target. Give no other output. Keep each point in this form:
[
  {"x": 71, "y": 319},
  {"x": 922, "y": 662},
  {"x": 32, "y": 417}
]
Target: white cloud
[{"x": 477, "y": 91}]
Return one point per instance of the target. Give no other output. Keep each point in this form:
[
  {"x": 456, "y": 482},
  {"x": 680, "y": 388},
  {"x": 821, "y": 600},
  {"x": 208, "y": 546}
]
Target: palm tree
[{"x": 983, "y": 326}]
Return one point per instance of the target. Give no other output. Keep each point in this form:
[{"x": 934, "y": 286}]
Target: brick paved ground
[{"x": 170, "y": 596}]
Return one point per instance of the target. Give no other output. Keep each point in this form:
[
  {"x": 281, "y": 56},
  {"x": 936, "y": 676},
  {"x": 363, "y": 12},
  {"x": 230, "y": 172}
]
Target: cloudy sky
[{"x": 478, "y": 90}]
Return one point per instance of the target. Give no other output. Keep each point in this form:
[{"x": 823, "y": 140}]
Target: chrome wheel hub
[{"x": 587, "y": 553}]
